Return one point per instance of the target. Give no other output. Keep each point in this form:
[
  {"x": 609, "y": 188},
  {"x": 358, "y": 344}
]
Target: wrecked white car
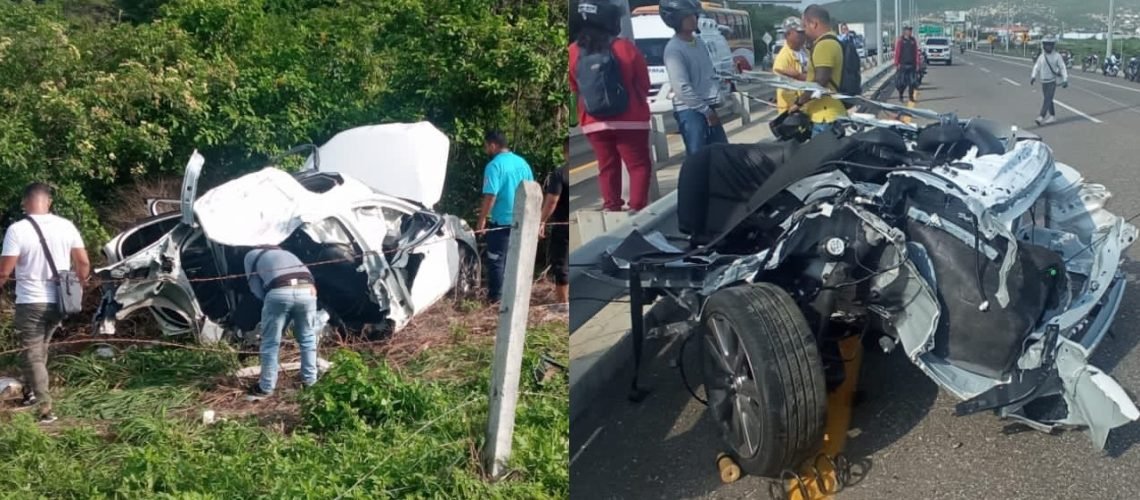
[
  {"x": 359, "y": 214},
  {"x": 994, "y": 266}
]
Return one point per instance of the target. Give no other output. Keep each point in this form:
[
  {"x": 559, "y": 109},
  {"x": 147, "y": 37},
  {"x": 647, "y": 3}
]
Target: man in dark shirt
[
  {"x": 556, "y": 226},
  {"x": 908, "y": 58}
]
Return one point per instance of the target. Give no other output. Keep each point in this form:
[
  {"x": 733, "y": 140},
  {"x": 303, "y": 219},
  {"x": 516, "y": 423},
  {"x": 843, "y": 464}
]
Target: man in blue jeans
[
  {"x": 288, "y": 292},
  {"x": 696, "y": 90},
  {"x": 501, "y": 177}
]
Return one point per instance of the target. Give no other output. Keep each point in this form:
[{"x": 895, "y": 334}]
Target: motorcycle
[
  {"x": 1068, "y": 60},
  {"x": 1111, "y": 68},
  {"x": 1132, "y": 73},
  {"x": 1089, "y": 63}
]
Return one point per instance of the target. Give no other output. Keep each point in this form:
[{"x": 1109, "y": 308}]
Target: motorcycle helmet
[
  {"x": 1048, "y": 43},
  {"x": 791, "y": 126},
  {"x": 602, "y": 14},
  {"x": 674, "y": 11}
]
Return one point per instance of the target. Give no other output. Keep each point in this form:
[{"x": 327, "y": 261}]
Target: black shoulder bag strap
[
  {"x": 47, "y": 251},
  {"x": 836, "y": 77},
  {"x": 1056, "y": 74}
]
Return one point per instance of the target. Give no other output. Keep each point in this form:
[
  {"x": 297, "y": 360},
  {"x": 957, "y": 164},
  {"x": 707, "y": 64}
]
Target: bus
[
  {"x": 729, "y": 45},
  {"x": 738, "y": 33}
]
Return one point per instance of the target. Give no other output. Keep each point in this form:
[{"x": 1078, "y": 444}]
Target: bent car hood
[{"x": 406, "y": 160}]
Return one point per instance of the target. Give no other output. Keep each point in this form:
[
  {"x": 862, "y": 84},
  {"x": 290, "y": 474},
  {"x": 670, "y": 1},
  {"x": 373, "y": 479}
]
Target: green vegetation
[
  {"x": 1080, "y": 48},
  {"x": 1068, "y": 11},
  {"x": 368, "y": 429},
  {"x": 101, "y": 93},
  {"x": 765, "y": 19}
]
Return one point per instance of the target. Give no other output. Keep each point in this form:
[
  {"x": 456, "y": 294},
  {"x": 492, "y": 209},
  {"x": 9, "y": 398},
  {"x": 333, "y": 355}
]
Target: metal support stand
[{"x": 637, "y": 329}]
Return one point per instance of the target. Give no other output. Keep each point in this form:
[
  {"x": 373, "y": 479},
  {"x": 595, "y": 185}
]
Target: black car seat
[{"x": 715, "y": 183}]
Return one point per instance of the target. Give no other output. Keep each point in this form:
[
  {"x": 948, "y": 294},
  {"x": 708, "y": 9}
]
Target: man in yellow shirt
[
  {"x": 791, "y": 61},
  {"x": 824, "y": 67}
]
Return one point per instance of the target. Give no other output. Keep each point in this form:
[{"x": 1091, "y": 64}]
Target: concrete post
[
  {"x": 744, "y": 108},
  {"x": 506, "y": 369}
]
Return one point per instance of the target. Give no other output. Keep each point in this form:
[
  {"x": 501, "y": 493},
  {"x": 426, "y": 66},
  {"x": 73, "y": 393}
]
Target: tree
[
  {"x": 95, "y": 103},
  {"x": 767, "y": 19}
]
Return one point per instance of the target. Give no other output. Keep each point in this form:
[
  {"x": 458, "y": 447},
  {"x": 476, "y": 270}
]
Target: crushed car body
[
  {"x": 995, "y": 267},
  {"x": 378, "y": 251}
]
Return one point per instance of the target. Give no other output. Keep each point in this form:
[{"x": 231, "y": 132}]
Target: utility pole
[
  {"x": 1009, "y": 27},
  {"x": 879, "y": 31},
  {"x": 898, "y": 19},
  {"x": 1109, "y": 35}
]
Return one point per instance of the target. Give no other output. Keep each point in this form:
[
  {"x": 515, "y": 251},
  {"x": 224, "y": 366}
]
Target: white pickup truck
[{"x": 938, "y": 48}]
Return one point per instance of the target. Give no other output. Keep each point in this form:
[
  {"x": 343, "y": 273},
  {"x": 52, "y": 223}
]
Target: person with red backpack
[{"x": 610, "y": 78}]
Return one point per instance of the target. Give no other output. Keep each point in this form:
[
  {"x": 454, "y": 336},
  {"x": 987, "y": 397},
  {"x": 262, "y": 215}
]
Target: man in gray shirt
[
  {"x": 692, "y": 76},
  {"x": 288, "y": 292}
]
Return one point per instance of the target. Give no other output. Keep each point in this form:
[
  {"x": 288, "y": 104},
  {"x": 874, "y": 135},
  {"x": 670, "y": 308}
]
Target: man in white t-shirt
[{"x": 37, "y": 306}]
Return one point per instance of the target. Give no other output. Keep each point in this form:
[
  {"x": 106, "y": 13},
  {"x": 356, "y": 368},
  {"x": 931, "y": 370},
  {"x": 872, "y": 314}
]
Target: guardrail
[{"x": 591, "y": 373}]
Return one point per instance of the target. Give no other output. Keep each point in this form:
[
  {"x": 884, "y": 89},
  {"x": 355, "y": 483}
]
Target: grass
[{"x": 130, "y": 428}]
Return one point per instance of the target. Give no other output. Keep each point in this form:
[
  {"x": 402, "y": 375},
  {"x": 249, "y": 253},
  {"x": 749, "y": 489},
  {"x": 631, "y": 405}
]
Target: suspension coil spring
[{"x": 839, "y": 463}]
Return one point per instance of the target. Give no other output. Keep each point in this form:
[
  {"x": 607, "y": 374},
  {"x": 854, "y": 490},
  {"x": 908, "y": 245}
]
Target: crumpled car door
[{"x": 154, "y": 278}]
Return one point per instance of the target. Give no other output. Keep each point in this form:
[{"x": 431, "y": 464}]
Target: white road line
[
  {"x": 1015, "y": 84},
  {"x": 1077, "y": 111},
  {"x": 970, "y": 63},
  {"x": 1071, "y": 74},
  {"x": 984, "y": 69},
  {"x": 1126, "y": 107},
  {"x": 584, "y": 445}
]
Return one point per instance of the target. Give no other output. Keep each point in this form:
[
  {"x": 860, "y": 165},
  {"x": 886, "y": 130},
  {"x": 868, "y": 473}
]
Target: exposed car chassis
[{"x": 994, "y": 266}]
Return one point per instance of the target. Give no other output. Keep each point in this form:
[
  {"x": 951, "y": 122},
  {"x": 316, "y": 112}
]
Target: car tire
[
  {"x": 774, "y": 420},
  {"x": 467, "y": 282}
]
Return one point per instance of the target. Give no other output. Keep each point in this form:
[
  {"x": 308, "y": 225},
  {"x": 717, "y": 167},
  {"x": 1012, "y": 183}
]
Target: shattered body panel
[
  {"x": 996, "y": 270},
  {"x": 378, "y": 259}
]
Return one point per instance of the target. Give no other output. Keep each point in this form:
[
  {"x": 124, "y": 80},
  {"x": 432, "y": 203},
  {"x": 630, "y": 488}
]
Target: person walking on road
[
  {"x": 288, "y": 293},
  {"x": 825, "y": 67},
  {"x": 1050, "y": 68},
  {"x": 696, "y": 93},
  {"x": 613, "y": 113},
  {"x": 37, "y": 249},
  {"x": 907, "y": 59},
  {"x": 791, "y": 61},
  {"x": 556, "y": 228},
  {"x": 501, "y": 177}
]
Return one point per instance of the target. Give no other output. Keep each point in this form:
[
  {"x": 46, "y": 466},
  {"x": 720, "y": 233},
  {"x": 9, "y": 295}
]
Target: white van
[{"x": 651, "y": 34}]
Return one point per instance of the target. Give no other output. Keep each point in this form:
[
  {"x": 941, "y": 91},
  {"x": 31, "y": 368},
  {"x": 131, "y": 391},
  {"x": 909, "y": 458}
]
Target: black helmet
[
  {"x": 791, "y": 126},
  {"x": 601, "y": 14},
  {"x": 673, "y": 11}
]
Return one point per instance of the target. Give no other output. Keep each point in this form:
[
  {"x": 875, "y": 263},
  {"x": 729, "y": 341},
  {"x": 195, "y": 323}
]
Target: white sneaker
[
  {"x": 1039, "y": 119},
  {"x": 1050, "y": 119}
]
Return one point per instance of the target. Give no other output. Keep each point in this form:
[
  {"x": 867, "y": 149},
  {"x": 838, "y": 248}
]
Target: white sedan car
[{"x": 359, "y": 214}]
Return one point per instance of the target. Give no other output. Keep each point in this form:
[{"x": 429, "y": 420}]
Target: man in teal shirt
[{"x": 501, "y": 177}]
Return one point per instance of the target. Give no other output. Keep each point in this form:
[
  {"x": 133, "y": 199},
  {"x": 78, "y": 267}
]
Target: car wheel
[
  {"x": 763, "y": 377},
  {"x": 467, "y": 282}
]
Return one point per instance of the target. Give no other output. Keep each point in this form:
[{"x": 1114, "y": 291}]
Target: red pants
[{"x": 611, "y": 147}]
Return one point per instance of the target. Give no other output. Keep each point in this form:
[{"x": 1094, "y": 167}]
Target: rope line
[{"x": 96, "y": 281}]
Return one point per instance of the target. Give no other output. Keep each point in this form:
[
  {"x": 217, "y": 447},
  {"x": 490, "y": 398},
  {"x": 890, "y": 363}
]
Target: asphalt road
[{"x": 904, "y": 436}]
